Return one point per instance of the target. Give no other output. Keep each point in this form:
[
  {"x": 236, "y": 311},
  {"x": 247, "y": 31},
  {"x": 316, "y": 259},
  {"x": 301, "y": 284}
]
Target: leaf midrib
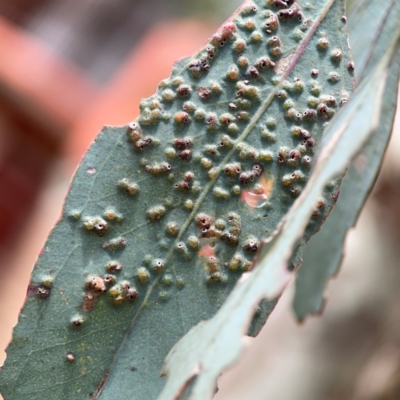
[{"x": 263, "y": 107}]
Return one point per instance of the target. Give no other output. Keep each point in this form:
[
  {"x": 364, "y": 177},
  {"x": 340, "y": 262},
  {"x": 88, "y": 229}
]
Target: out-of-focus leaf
[
  {"x": 368, "y": 45},
  {"x": 323, "y": 255},
  {"x": 213, "y": 345}
]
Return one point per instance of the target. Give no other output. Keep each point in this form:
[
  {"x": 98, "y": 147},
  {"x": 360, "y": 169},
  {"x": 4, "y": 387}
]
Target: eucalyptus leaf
[
  {"x": 368, "y": 45},
  {"x": 165, "y": 214},
  {"x": 324, "y": 253},
  {"x": 213, "y": 345}
]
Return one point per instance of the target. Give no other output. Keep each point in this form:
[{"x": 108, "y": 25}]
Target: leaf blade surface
[
  {"x": 134, "y": 202},
  {"x": 222, "y": 335},
  {"x": 324, "y": 253}
]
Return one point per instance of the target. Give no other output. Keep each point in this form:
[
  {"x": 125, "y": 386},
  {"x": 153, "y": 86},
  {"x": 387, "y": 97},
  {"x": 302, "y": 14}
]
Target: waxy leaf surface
[
  {"x": 213, "y": 345},
  {"x": 166, "y": 213},
  {"x": 323, "y": 255}
]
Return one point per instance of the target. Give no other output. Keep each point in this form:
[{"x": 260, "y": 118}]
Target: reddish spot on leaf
[
  {"x": 268, "y": 185},
  {"x": 207, "y": 251},
  {"x": 258, "y": 198},
  {"x": 253, "y": 199}
]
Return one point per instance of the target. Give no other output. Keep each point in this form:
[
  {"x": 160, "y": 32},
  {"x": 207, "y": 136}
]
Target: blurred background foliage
[
  {"x": 67, "y": 68},
  {"x": 98, "y": 34}
]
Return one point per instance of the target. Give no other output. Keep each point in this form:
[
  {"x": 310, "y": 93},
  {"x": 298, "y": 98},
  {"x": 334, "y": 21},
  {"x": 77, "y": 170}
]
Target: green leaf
[
  {"x": 323, "y": 255},
  {"x": 368, "y": 45},
  {"x": 213, "y": 345},
  {"x": 164, "y": 215}
]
